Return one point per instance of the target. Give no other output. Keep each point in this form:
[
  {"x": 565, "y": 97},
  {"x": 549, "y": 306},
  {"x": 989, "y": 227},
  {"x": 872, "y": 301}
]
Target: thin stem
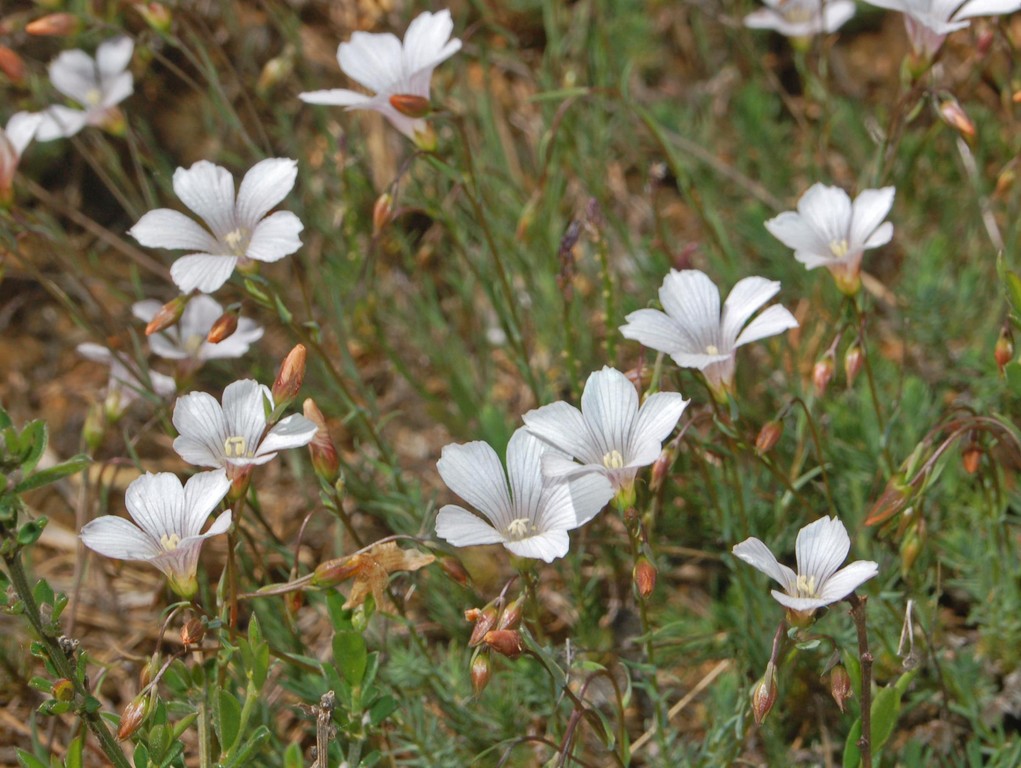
[{"x": 865, "y": 656}]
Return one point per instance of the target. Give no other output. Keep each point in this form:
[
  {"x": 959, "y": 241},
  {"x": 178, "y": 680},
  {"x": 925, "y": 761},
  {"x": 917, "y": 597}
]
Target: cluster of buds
[{"x": 496, "y": 631}]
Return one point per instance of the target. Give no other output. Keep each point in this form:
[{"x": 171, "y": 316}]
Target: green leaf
[
  {"x": 141, "y": 757},
  {"x": 29, "y": 533},
  {"x": 33, "y": 444},
  {"x": 42, "y": 593},
  {"x": 28, "y": 760},
  {"x": 74, "y": 753},
  {"x": 70, "y": 467},
  {"x": 885, "y": 710},
  {"x": 254, "y": 744},
  {"x": 293, "y": 757},
  {"x": 1011, "y": 284},
  {"x": 381, "y": 709},
  {"x": 228, "y": 720},
  {"x": 350, "y": 656}
]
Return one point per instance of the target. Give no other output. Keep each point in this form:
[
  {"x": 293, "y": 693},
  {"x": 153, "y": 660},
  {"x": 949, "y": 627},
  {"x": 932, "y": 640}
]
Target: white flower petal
[
  {"x": 882, "y": 235},
  {"x": 745, "y": 299},
  {"x": 263, "y": 187},
  {"x": 556, "y": 465},
  {"x": 115, "y": 537},
  {"x": 828, "y": 210},
  {"x": 146, "y": 309},
  {"x": 162, "y": 385},
  {"x": 821, "y": 548},
  {"x": 292, "y": 432},
  {"x": 473, "y": 471},
  {"x": 693, "y": 301},
  {"x": 200, "y": 423},
  {"x": 372, "y": 60},
  {"x": 275, "y": 236},
  {"x": 796, "y": 233},
  {"x": 21, "y": 128},
  {"x": 836, "y": 13},
  {"x": 868, "y": 211},
  {"x": 609, "y": 404},
  {"x": 202, "y": 493},
  {"x": 846, "y": 580},
  {"x": 426, "y": 45},
  {"x": 165, "y": 228},
  {"x": 248, "y": 332},
  {"x": 562, "y": 426},
  {"x": 656, "y": 331},
  {"x": 113, "y": 56},
  {"x": 114, "y": 92},
  {"x": 156, "y": 503},
  {"x": 974, "y": 8},
  {"x": 524, "y": 472},
  {"x": 208, "y": 191},
  {"x": 799, "y": 603},
  {"x": 589, "y": 494},
  {"x": 336, "y": 97},
  {"x": 547, "y": 546},
  {"x": 244, "y": 413},
  {"x": 73, "y": 73},
  {"x": 59, "y": 122},
  {"x": 202, "y": 272},
  {"x": 757, "y": 555},
  {"x": 699, "y": 361},
  {"x": 95, "y": 352},
  {"x": 463, "y": 529},
  {"x": 656, "y": 419},
  {"x": 773, "y": 320}
]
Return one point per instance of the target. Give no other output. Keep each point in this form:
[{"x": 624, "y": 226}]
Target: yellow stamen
[
  {"x": 712, "y": 349},
  {"x": 235, "y": 447},
  {"x": 169, "y": 541},
  {"x": 520, "y": 528},
  {"x": 805, "y": 586},
  {"x": 613, "y": 460},
  {"x": 839, "y": 248}
]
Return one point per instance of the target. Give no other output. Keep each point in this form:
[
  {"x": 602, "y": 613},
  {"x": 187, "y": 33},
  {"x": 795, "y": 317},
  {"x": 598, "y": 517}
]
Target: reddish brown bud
[
  {"x": 971, "y": 456},
  {"x": 644, "y": 576},
  {"x": 506, "y": 642},
  {"x": 382, "y": 212},
  {"x": 854, "y": 359},
  {"x": 225, "y": 325},
  {"x": 63, "y": 689},
  {"x": 764, "y": 694},
  {"x": 840, "y": 685},
  {"x": 54, "y": 25},
  {"x": 133, "y": 717},
  {"x": 455, "y": 569},
  {"x": 893, "y": 499},
  {"x": 322, "y": 450},
  {"x": 953, "y": 114},
  {"x": 481, "y": 671},
  {"x": 1004, "y": 350},
  {"x": 290, "y": 377},
  {"x": 156, "y": 15},
  {"x": 167, "y": 315},
  {"x": 12, "y": 65},
  {"x": 511, "y": 616},
  {"x": 661, "y": 468},
  {"x": 193, "y": 632},
  {"x": 822, "y": 373},
  {"x": 486, "y": 621},
  {"x": 769, "y": 436},
  {"x": 410, "y": 105},
  {"x": 332, "y": 572}
]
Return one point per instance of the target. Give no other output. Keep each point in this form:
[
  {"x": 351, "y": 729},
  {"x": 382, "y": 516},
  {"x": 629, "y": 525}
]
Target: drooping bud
[
  {"x": 325, "y": 461},
  {"x": 1004, "y": 350},
  {"x": 840, "y": 685},
  {"x": 481, "y": 671},
  {"x": 764, "y": 694},
  {"x": 661, "y": 467},
  {"x": 290, "y": 377},
  {"x": 971, "y": 456},
  {"x": 167, "y": 315},
  {"x": 225, "y": 325},
  {"x": 506, "y": 642},
  {"x": 822, "y": 373},
  {"x": 769, "y": 436},
  {"x": 455, "y": 569},
  {"x": 410, "y": 105},
  {"x": 12, "y": 65},
  {"x": 382, "y": 212},
  {"x": 193, "y": 632},
  {"x": 854, "y": 359},
  {"x": 133, "y": 717},
  {"x": 486, "y": 620},
  {"x": 156, "y": 15},
  {"x": 275, "y": 71},
  {"x": 644, "y": 576},
  {"x": 94, "y": 427},
  {"x": 510, "y": 618},
  {"x": 333, "y": 572},
  {"x": 892, "y": 500},
  {"x": 54, "y": 25},
  {"x": 953, "y": 114}
]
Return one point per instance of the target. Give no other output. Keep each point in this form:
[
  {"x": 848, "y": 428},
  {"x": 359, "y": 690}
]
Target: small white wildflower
[
  {"x": 381, "y": 63},
  {"x": 828, "y": 230},
  {"x": 801, "y": 18},
  {"x": 168, "y": 520},
  {"x": 98, "y": 84},
  {"x": 695, "y": 335},
  {"x": 928, "y": 22},
  {"x": 532, "y": 516},
  {"x": 125, "y": 385},
  {"x": 187, "y": 340},
  {"x": 821, "y": 549},
  {"x": 611, "y": 435},
  {"x": 13, "y": 140},
  {"x": 240, "y": 228}
]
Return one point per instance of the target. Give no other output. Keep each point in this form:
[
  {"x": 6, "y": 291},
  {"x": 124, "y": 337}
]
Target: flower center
[
  {"x": 520, "y": 529},
  {"x": 712, "y": 349},
  {"x": 613, "y": 460},
  {"x": 797, "y": 14},
  {"x": 235, "y": 447},
  {"x": 806, "y": 586},
  {"x": 839, "y": 248},
  {"x": 93, "y": 97},
  {"x": 169, "y": 541},
  {"x": 235, "y": 241},
  {"x": 193, "y": 343}
]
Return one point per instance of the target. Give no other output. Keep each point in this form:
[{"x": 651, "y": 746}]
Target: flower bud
[
  {"x": 240, "y": 478},
  {"x": 644, "y": 576},
  {"x": 225, "y": 325},
  {"x": 12, "y": 65},
  {"x": 63, "y": 689},
  {"x": 156, "y": 15},
  {"x": 510, "y": 618},
  {"x": 325, "y": 461},
  {"x": 911, "y": 546},
  {"x": 455, "y": 569},
  {"x": 506, "y": 642},
  {"x": 54, "y": 25},
  {"x": 893, "y": 499},
  {"x": 481, "y": 671},
  {"x": 854, "y": 359},
  {"x": 382, "y": 212},
  {"x": 410, "y": 105},
  {"x": 290, "y": 377},
  {"x": 94, "y": 427},
  {"x": 425, "y": 139},
  {"x": 661, "y": 468},
  {"x": 133, "y": 717},
  {"x": 167, "y": 315},
  {"x": 1004, "y": 350},
  {"x": 486, "y": 621},
  {"x": 275, "y": 71},
  {"x": 971, "y": 456},
  {"x": 953, "y": 114},
  {"x": 333, "y": 572},
  {"x": 840, "y": 685},
  {"x": 764, "y": 694},
  {"x": 769, "y": 436},
  {"x": 822, "y": 373},
  {"x": 193, "y": 632}
]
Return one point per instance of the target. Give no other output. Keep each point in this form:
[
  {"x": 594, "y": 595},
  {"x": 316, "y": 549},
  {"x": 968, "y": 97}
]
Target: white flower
[
  {"x": 187, "y": 340},
  {"x": 694, "y": 334},
  {"x": 234, "y": 436},
  {"x": 240, "y": 228},
  {"x": 928, "y": 22},
  {"x": 13, "y": 140},
  {"x": 168, "y": 520},
  {"x": 830, "y": 231},
  {"x": 98, "y": 84},
  {"x": 610, "y": 435},
  {"x": 801, "y": 18},
  {"x": 531, "y": 518},
  {"x": 381, "y": 63},
  {"x": 125, "y": 385},
  {"x": 821, "y": 548}
]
